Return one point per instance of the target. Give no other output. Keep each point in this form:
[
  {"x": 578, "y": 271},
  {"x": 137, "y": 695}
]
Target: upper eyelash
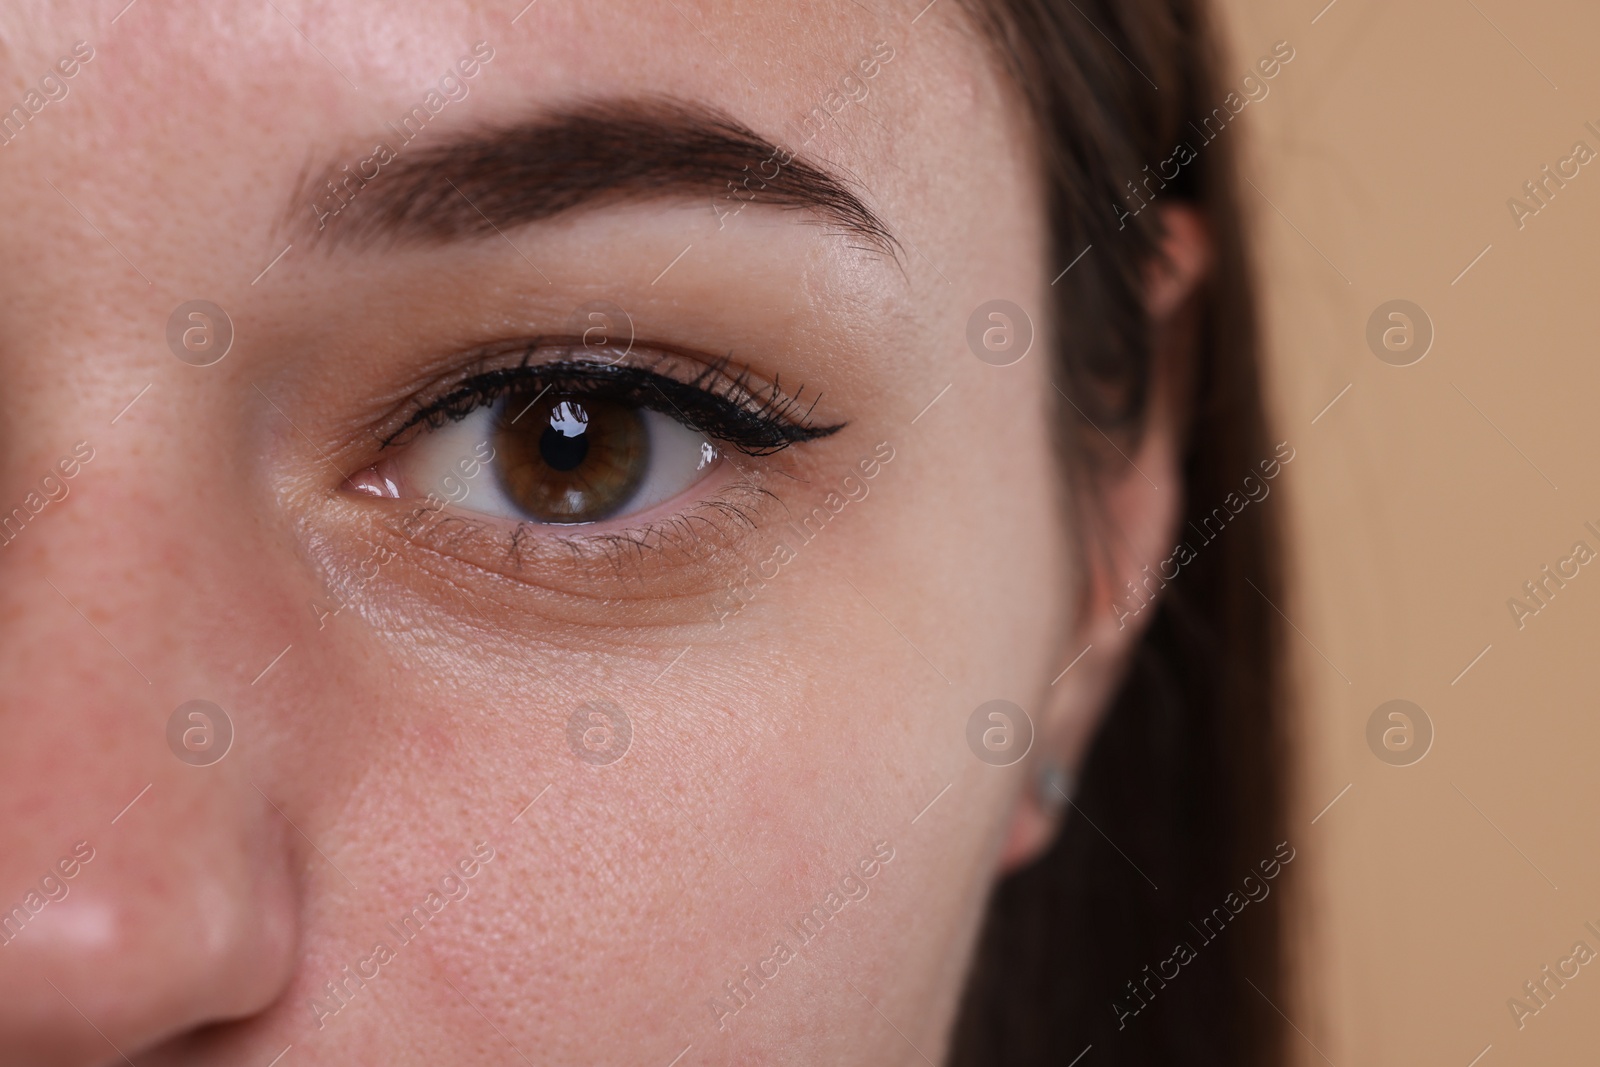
[{"x": 714, "y": 402}]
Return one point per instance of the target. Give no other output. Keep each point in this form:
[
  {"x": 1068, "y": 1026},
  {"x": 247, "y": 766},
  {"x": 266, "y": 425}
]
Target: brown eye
[
  {"x": 570, "y": 459},
  {"x": 553, "y": 454}
]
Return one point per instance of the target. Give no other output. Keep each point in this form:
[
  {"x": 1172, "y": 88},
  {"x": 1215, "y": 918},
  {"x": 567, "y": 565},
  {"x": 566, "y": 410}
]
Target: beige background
[{"x": 1389, "y": 148}]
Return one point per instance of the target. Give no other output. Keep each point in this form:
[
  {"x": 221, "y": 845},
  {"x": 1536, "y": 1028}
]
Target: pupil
[
  {"x": 565, "y": 443},
  {"x": 571, "y": 460},
  {"x": 562, "y": 452}
]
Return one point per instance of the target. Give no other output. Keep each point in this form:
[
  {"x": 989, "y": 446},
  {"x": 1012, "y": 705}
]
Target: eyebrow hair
[{"x": 593, "y": 155}]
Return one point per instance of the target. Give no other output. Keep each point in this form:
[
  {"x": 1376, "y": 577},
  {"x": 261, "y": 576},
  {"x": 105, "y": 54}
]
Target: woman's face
[{"x": 644, "y": 736}]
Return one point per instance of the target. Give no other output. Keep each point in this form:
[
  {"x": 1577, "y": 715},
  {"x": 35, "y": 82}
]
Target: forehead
[{"x": 204, "y": 116}]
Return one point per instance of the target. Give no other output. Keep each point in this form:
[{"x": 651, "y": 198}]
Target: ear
[{"x": 1138, "y": 506}]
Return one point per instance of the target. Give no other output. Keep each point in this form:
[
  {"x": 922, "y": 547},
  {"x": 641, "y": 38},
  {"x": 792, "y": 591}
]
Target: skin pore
[{"x": 424, "y": 727}]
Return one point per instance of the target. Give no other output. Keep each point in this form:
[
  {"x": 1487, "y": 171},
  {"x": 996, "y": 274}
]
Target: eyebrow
[{"x": 593, "y": 155}]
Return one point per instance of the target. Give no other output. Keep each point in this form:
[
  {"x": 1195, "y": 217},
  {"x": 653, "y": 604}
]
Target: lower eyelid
[
  {"x": 686, "y": 546},
  {"x": 510, "y": 582}
]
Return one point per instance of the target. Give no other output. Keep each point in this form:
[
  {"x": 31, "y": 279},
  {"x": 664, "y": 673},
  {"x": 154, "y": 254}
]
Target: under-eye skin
[{"x": 569, "y": 441}]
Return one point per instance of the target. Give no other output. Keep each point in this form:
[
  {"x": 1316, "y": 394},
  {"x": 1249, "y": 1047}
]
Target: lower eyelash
[{"x": 707, "y": 525}]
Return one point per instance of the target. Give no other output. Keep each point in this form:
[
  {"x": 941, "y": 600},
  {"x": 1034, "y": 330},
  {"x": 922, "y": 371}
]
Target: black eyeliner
[{"x": 721, "y": 406}]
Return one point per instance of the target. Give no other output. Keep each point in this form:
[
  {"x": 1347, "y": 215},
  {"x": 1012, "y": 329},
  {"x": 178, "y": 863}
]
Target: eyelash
[
  {"x": 717, "y": 398},
  {"x": 719, "y": 404}
]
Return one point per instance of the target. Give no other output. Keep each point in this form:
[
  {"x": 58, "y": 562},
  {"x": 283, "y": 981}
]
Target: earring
[{"x": 1053, "y": 787}]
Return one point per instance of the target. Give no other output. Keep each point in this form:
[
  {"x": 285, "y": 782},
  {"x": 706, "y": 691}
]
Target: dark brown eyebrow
[{"x": 592, "y": 155}]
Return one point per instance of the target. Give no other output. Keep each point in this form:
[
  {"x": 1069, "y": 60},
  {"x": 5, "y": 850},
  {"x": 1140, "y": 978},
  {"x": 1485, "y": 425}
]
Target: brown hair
[{"x": 1183, "y": 784}]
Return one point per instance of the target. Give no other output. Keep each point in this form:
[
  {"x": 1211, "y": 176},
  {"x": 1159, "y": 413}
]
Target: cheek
[{"x": 869, "y": 651}]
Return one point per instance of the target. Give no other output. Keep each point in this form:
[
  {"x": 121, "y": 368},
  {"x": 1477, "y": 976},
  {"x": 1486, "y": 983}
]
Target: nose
[{"x": 146, "y": 890}]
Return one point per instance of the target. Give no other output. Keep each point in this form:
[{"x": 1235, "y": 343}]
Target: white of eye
[{"x": 457, "y": 462}]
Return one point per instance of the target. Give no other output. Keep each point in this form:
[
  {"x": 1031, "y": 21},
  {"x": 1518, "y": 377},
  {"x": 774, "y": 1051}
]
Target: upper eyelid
[{"x": 712, "y": 387}]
